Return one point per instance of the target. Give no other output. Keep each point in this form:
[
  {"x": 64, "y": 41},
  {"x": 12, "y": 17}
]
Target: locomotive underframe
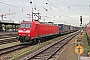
[{"x": 23, "y": 39}]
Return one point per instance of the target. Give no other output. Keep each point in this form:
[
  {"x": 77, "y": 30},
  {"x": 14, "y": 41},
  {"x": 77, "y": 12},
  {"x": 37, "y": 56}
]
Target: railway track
[
  {"x": 49, "y": 52},
  {"x": 6, "y": 41},
  {"x": 7, "y": 36},
  {"x": 7, "y": 33},
  {"x": 12, "y": 48}
]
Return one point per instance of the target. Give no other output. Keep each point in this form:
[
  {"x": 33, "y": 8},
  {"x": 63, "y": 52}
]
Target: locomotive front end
[{"x": 24, "y": 32}]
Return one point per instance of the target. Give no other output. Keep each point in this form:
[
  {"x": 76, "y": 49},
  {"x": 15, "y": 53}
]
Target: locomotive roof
[
  {"x": 47, "y": 23},
  {"x": 38, "y": 22},
  {"x": 26, "y": 22}
]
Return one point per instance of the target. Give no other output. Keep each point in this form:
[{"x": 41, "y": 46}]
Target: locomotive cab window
[
  {"x": 25, "y": 25},
  {"x": 28, "y": 25},
  {"x": 22, "y": 25}
]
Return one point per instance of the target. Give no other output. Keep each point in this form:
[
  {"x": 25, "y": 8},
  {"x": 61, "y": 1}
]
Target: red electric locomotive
[{"x": 30, "y": 31}]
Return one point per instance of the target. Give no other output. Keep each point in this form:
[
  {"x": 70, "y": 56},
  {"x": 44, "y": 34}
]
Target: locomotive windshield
[{"x": 25, "y": 25}]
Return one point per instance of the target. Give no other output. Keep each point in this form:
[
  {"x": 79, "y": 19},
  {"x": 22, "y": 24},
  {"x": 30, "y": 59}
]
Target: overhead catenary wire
[
  {"x": 21, "y": 8},
  {"x": 57, "y": 8},
  {"x": 9, "y": 5}
]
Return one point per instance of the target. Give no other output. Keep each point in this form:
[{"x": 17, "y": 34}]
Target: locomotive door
[{"x": 37, "y": 30}]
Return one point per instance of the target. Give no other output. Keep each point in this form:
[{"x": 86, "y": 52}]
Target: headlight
[
  {"x": 20, "y": 30},
  {"x": 19, "y": 34},
  {"x": 28, "y": 31},
  {"x": 28, "y": 34}
]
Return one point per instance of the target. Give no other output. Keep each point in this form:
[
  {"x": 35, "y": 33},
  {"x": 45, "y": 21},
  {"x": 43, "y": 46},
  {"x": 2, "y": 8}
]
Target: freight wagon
[
  {"x": 63, "y": 29},
  {"x": 71, "y": 29}
]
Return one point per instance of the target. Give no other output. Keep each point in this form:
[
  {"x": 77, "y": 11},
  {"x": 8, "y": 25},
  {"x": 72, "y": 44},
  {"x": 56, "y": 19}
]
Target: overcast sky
[{"x": 59, "y": 11}]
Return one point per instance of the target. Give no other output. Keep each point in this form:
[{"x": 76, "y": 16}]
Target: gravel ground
[
  {"x": 68, "y": 53},
  {"x": 8, "y": 56}
]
